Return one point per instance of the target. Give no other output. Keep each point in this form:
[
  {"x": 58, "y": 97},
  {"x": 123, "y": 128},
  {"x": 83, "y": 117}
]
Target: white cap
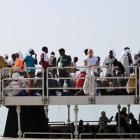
[{"x": 16, "y": 75}]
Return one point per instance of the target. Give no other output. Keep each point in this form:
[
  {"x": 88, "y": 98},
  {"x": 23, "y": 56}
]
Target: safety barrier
[
  {"x": 107, "y": 134},
  {"x": 37, "y": 133}
]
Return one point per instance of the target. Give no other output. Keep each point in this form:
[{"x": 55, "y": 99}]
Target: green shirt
[{"x": 64, "y": 60}]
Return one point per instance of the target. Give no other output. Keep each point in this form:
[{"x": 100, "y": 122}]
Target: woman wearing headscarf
[
  {"x": 108, "y": 62},
  {"x": 16, "y": 83},
  {"x": 6, "y": 71},
  {"x": 18, "y": 63},
  {"x": 124, "y": 59},
  {"x": 30, "y": 62}
]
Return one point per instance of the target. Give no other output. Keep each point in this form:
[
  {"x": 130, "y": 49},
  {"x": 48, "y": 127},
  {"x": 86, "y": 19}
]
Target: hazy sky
[{"x": 70, "y": 24}]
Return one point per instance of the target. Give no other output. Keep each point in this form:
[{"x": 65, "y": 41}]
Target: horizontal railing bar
[
  {"x": 24, "y": 68},
  {"x": 114, "y": 77},
  {"x": 22, "y": 88},
  {"x": 114, "y": 87},
  {"x": 67, "y": 78},
  {"x": 41, "y": 133},
  {"x": 68, "y": 88},
  {"x": 22, "y": 79}
]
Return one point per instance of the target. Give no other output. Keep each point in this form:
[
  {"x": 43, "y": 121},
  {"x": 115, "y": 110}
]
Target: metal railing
[
  {"x": 40, "y": 133},
  {"x": 22, "y": 79},
  {"x": 106, "y": 134},
  {"x": 92, "y": 88}
]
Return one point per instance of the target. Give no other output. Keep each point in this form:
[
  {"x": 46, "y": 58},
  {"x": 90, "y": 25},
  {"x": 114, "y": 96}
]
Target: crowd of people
[
  {"x": 24, "y": 67},
  {"x": 128, "y": 124}
]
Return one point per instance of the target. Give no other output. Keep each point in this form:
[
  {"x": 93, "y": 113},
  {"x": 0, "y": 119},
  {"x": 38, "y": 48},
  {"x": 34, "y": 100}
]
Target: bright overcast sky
[{"x": 71, "y": 24}]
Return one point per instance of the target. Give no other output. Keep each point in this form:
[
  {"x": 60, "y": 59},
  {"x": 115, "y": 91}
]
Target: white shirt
[{"x": 91, "y": 62}]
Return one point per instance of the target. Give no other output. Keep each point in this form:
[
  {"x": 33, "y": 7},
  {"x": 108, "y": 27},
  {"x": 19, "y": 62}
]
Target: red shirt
[
  {"x": 80, "y": 82},
  {"x": 46, "y": 62}
]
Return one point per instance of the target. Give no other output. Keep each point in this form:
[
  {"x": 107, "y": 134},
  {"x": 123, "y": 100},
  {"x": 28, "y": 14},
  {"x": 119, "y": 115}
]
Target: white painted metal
[
  {"x": 76, "y": 123},
  {"x": 19, "y": 123},
  {"x": 39, "y": 133},
  {"x": 46, "y": 108}
]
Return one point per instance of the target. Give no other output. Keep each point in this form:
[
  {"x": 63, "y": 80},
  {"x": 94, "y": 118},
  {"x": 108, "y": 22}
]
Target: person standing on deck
[
  {"x": 30, "y": 62},
  {"x": 108, "y": 62},
  {"x": 45, "y": 62},
  {"x": 73, "y": 64},
  {"x": 91, "y": 61},
  {"x": 65, "y": 61},
  {"x": 6, "y": 71},
  {"x": 18, "y": 63},
  {"x": 53, "y": 62},
  {"x": 11, "y": 64}
]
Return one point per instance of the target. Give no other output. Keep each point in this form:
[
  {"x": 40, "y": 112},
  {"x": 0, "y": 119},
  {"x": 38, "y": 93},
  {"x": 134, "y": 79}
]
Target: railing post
[
  {"x": 43, "y": 85},
  {"x": 47, "y": 85},
  {"x": 119, "y": 129},
  {"x": 92, "y": 86},
  {"x": 76, "y": 122},
  {"x": 46, "y": 110},
  {"x": 68, "y": 114},
  {"x": 19, "y": 123},
  {"x": 139, "y": 82},
  {"x": 136, "y": 89}
]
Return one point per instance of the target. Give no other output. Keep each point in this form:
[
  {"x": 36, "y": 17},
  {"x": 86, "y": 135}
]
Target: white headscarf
[
  {"x": 138, "y": 52},
  {"x": 5, "y": 59},
  {"x": 114, "y": 54},
  {"x": 28, "y": 52},
  {"x": 125, "y": 53},
  {"x": 16, "y": 75},
  {"x": 20, "y": 55}
]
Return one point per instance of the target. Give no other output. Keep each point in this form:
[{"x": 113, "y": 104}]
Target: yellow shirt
[
  {"x": 131, "y": 83},
  {"x": 2, "y": 62}
]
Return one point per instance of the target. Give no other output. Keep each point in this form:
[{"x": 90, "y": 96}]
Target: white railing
[
  {"x": 39, "y": 133},
  {"x": 91, "y": 87}
]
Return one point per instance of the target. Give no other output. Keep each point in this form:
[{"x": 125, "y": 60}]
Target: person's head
[
  {"x": 109, "y": 75},
  {"x": 75, "y": 59},
  {"x": 103, "y": 114},
  {"x": 83, "y": 71},
  {"x": 61, "y": 52},
  {"x": 6, "y": 56},
  {"x": 17, "y": 55},
  {"x": 138, "y": 53},
  {"x": 13, "y": 56},
  {"x": 131, "y": 116},
  {"x": 86, "y": 51},
  {"x": 98, "y": 58},
  {"x": 16, "y": 76},
  {"x": 45, "y": 49},
  {"x": 126, "y": 48},
  {"x": 124, "y": 109},
  {"x": 32, "y": 52},
  {"x": 39, "y": 74},
  {"x": 111, "y": 53},
  {"x": 115, "y": 63},
  {"x": 90, "y": 53},
  {"x": 52, "y": 53}
]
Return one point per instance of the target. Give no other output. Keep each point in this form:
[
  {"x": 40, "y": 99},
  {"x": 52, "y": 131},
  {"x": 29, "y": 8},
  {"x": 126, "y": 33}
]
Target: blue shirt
[{"x": 29, "y": 62}]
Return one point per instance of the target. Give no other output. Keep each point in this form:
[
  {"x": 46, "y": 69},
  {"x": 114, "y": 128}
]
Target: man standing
[
  {"x": 30, "y": 62},
  {"x": 53, "y": 62},
  {"x": 45, "y": 62},
  {"x": 73, "y": 64},
  {"x": 65, "y": 60}
]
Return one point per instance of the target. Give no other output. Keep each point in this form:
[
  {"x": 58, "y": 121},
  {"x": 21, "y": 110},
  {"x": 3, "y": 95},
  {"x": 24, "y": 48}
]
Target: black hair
[
  {"x": 115, "y": 62},
  {"x": 13, "y": 55},
  {"x": 61, "y": 50},
  {"x": 52, "y": 53},
  {"x": 126, "y": 48},
  {"x": 76, "y": 58},
  {"x": 44, "y": 48},
  {"x": 86, "y": 51}
]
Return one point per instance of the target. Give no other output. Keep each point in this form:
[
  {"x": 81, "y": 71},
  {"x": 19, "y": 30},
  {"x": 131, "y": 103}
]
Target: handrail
[
  {"x": 109, "y": 134},
  {"x": 23, "y": 79},
  {"x": 57, "y": 122},
  {"x": 41, "y": 133}
]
